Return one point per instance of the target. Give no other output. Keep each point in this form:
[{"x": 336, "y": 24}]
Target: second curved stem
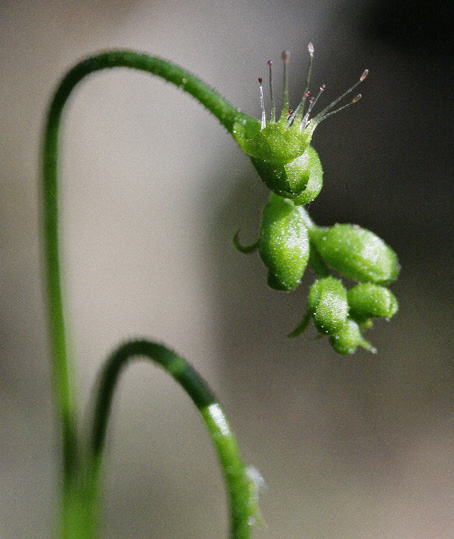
[{"x": 242, "y": 491}]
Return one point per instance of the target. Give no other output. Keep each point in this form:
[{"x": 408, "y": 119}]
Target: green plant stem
[
  {"x": 62, "y": 376},
  {"x": 241, "y": 491},
  {"x": 315, "y": 260}
]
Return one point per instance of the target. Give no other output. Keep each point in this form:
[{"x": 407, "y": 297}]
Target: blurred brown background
[{"x": 152, "y": 191}]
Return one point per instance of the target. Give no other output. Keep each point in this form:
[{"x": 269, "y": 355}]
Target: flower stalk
[{"x": 77, "y": 491}]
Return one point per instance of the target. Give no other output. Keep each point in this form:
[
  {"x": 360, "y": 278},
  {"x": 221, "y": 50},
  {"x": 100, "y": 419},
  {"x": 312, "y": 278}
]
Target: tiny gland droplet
[
  {"x": 307, "y": 94},
  {"x": 356, "y": 98},
  {"x": 310, "y": 48},
  {"x": 260, "y": 80},
  {"x": 364, "y": 75},
  {"x": 270, "y": 63},
  {"x": 323, "y": 87},
  {"x": 285, "y": 56}
]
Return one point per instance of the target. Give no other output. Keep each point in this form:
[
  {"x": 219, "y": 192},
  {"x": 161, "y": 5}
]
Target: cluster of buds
[
  {"x": 288, "y": 239},
  {"x": 280, "y": 147}
]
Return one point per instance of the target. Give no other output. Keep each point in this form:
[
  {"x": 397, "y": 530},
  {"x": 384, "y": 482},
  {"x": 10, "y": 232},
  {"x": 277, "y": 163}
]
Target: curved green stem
[
  {"x": 315, "y": 260},
  {"x": 241, "y": 490},
  {"x": 301, "y": 327},
  {"x": 246, "y": 249},
  {"x": 65, "y": 398},
  {"x": 317, "y": 263}
]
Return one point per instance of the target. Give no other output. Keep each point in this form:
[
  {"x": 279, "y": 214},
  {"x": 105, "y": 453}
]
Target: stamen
[
  {"x": 300, "y": 108},
  {"x": 312, "y": 102},
  {"x": 285, "y": 60},
  {"x": 290, "y": 117},
  {"x": 324, "y": 113},
  {"x": 262, "y": 105},
  {"x": 354, "y": 100},
  {"x": 273, "y": 104}
]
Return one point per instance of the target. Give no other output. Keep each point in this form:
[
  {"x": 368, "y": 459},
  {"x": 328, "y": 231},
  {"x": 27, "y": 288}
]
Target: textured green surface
[
  {"x": 276, "y": 142},
  {"x": 328, "y": 305},
  {"x": 283, "y": 243},
  {"x": 370, "y": 300},
  {"x": 347, "y": 339},
  {"x": 301, "y": 180},
  {"x": 357, "y": 253}
]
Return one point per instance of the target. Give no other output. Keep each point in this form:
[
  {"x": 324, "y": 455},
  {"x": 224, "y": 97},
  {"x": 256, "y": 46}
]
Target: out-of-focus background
[{"x": 152, "y": 192}]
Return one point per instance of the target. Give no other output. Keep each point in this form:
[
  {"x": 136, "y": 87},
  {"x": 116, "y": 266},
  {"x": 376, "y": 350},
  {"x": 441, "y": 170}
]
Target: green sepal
[
  {"x": 276, "y": 142},
  {"x": 347, "y": 339},
  {"x": 328, "y": 305},
  {"x": 356, "y": 253},
  {"x": 300, "y": 180},
  {"x": 369, "y": 300},
  {"x": 283, "y": 243},
  {"x": 315, "y": 182}
]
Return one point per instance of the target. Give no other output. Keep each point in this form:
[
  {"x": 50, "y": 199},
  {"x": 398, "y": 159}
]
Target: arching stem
[
  {"x": 63, "y": 384},
  {"x": 241, "y": 489}
]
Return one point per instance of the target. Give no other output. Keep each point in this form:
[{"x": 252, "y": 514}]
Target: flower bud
[
  {"x": 301, "y": 180},
  {"x": 368, "y": 300},
  {"x": 283, "y": 243},
  {"x": 328, "y": 305},
  {"x": 279, "y": 147},
  {"x": 347, "y": 339},
  {"x": 356, "y": 253}
]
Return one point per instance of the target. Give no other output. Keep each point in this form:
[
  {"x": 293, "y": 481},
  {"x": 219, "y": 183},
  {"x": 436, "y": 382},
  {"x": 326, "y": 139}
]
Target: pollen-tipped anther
[
  {"x": 299, "y": 111},
  {"x": 285, "y": 60},
  {"x": 273, "y": 104},
  {"x": 286, "y": 138},
  {"x": 325, "y": 112}
]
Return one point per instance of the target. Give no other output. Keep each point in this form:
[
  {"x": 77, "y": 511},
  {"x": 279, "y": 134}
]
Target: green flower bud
[
  {"x": 301, "y": 180},
  {"x": 283, "y": 243},
  {"x": 356, "y": 253},
  {"x": 328, "y": 305},
  {"x": 347, "y": 340},
  {"x": 368, "y": 300}
]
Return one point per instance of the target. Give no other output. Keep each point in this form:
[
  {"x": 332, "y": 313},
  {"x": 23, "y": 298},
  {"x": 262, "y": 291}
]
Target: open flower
[
  {"x": 287, "y": 137},
  {"x": 279, "y": 148}
]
